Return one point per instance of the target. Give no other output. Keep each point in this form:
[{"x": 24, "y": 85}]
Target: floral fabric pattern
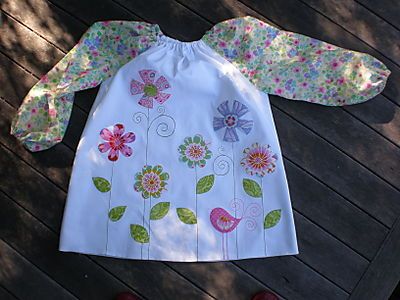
[
  {"x": 151, "y": 181},
  {"x": 150, "y": 88},
  {"x": 295, "y": 66},
  {"x": 258, "y": 160},
  {"x": 232, "y": 120},
  {"x": 43, "y": 117},
  {"x": 115, "y": 142},
  {"x": 277, "y": 62},
  {"x": 194, "y": 151}
]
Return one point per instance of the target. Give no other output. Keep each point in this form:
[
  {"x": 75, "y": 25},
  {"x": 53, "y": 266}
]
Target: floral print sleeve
[
  {"x": 43, "y": 117},
  {"x": 295, "y": 66}
]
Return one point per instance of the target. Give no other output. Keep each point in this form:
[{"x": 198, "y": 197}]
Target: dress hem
[{"x": 170, "y": 260}]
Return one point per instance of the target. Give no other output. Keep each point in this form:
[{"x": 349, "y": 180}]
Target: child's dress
[{"x": 179, "y": 159}]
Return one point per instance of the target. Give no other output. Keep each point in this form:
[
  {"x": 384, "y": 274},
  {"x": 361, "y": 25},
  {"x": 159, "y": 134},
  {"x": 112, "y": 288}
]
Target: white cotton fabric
[{"x": 200, "y": 81}]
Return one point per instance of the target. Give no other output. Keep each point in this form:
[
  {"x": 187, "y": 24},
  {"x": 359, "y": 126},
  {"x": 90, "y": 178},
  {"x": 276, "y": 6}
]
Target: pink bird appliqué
[{"x": 224, "y": 222}]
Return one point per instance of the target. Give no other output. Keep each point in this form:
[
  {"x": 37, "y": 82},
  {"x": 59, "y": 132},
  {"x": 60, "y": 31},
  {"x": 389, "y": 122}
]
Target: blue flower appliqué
[{"x": 231, "y": 120}]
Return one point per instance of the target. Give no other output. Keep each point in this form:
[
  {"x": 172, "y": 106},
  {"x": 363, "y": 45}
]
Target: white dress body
[{"x": 179, "y": 161}]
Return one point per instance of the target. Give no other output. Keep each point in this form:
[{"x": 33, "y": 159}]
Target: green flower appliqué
[
  {"x": 194, "y": 151},
  {"x": 151, "y": 181}
]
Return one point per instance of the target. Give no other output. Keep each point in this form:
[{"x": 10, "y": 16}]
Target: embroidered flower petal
[
  {"x": 239, "y": 109},
  {"x": 106, "y": 134},
  {"x": 218, "y": 123},
  {"x": 118, "y": 130},
  {"x": 162, "y": 83},
  {"x": 162, "y": 97},
  {"x": 136, "y": 87},
  {"x": 128, "y": 137},
  {"x": 230, "y": 135},
  {"x": 147, "y": 76},
  {"x": 126, "y": 150},
  {"x": 104, "y": 147},
  {"x": 245, "y": 125},
  {"x": 223, "y": 108},
  {"x": 146, "y": 101},
  {"x": 113, "y": 154}
]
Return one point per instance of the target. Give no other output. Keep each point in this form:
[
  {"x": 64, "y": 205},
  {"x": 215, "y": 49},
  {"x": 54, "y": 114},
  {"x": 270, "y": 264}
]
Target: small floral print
[
  {"x": 232, "y": 120},
  {"x": 151, "y": 181},
  {"x": 258, "y": 160},
  {"x": 150, "y": 88},
  {"x": 83, "y": 67},
  {"x": 116, "y": 142},
  {"x": 293, "y": 57},
  {"x": 194, "y": 151}
]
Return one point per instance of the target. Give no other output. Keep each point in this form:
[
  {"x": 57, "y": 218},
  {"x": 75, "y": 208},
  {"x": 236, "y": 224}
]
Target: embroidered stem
[
  {"x": 223, "y": 246},
  {"x": 148, "y": 249},
  {"x": 144, "y": 200},
  {"x": 263, "y": 214},
  {"x": 234, "y": 197},
  {"x": 109, "y": 205},
  {"x": 197, "y": 216}
]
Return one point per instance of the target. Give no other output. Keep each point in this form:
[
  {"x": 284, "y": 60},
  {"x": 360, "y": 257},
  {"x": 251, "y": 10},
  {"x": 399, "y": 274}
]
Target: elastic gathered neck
[{"x": 163, "y": 39}]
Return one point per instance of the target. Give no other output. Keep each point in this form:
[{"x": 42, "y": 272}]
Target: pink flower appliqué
[
  {"x": 259, "y": 160},
  {"x": 150, "y": 88},
  {"x": 115, "y": 142}
]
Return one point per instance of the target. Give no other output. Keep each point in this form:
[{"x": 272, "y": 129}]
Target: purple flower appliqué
[{"x": 232, "y": 120}]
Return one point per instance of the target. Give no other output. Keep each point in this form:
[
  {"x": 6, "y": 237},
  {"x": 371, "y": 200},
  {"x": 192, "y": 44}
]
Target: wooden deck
[{"x": 342, "y": 163}]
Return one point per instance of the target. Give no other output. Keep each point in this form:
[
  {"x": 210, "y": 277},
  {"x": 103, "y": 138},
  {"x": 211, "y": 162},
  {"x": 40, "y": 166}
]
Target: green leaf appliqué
[
  {"x": 205, "y": 184},
  {"x": 186, "y": 216},
  {"x": 159, "y": 210},
  {"x": 116, "y": 213},
  {"x": 272, "y": 218},
  {"x": 139, "y": 234},
  {"x": 101, "y": 184},
  {"x": 252, "y": 188}
]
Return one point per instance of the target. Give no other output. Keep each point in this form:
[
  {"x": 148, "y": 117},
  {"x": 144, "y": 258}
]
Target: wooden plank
[
  {"x": 194, "y": 27},
  {"x": 380, "y": 114},
  {"x": 333, "y": 213},
  {"x": 288, "y": 276},
  {"x": 387, "y": 9},
  {"x": 25, "y": 280},
  {"x": 12, "y": 88},
  {"x": 294, "y": 15},
  {"x": 383, "y": 273},
  {"x": 6, "y": 295},
  {"x": 87, "y": 280},
  {"x": 26, "y": 48},
  {"x": 105, "y": 10},
  {"x": 158, "y": 281},
  {"x": 349, "y": 135},
  {"x": 327, "y": 255},
  {"x": 221, "y": 279},
  {"x": 42, "y": 17},
  {"x": 337, "y": 170},
  {"x": 362, "y": 23}
]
